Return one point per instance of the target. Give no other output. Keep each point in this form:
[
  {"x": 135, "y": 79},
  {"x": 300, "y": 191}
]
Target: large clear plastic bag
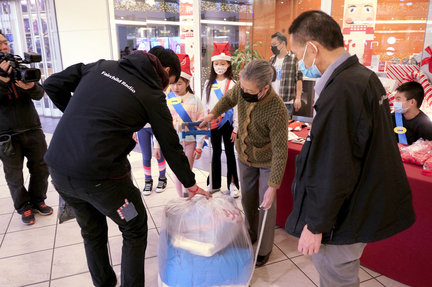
[{"x": 204, "y": 243}]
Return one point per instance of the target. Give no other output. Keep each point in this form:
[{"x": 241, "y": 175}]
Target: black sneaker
[
  {"x": 162, "y": 184},
  {"x": 148, "y": 188},
  {"x": 28, "y": 217},
  {"x": 42, "y": 209}
]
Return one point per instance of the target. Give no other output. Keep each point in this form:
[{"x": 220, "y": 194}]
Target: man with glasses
[
  {"x": 20, "y": 127},
  {"x": 288, "y": 84}
]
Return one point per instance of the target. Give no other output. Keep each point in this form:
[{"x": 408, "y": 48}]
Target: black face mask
[
  {"x": 249, "y": 97},
  {"x": 275, "y": 50}
]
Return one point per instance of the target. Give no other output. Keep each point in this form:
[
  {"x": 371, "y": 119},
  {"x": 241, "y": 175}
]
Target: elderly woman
[{"x": 262, "y": 146}]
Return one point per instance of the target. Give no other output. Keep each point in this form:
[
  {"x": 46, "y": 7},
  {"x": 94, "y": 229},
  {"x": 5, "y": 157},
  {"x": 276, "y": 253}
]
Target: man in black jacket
[
  {"x": 87, "y": 156},
  {"x": 19, "y": 119},
  {"x": 350, "y": 186}
]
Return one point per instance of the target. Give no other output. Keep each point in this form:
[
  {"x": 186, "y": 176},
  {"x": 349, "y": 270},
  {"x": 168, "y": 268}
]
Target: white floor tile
[
  {"x": 156, "y": 214},
  {"x": 4, "y": 222},
  {"x": 25, "y": 269},
  {"x": 6, "y": 205},
  {"x": 287, "y": 243},
  {"x": 280, "y": 274},
  {"x": 388, "y": 282},
  {"x": 371, "y": 283},
  {"x": 370, "y": 271},
  {"x": 83, "y": 279},
  {"x": 21, "y": 242},
  {"x": 44, "y": 284},
  {"x": 69, "y": 260},
  {"x": 68, "y": 233}
]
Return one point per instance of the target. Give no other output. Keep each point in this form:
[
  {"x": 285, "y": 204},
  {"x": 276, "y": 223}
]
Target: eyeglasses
[
  {"x": 274, "y": 44},
  {"x": 5, "y": 42}
]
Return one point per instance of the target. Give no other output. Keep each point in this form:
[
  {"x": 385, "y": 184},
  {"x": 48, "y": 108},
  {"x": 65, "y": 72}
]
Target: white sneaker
[
  {"x": 234, "y": 192},
  {"x": 226, "y": 192},
  {"x": 211, "y": 191}
]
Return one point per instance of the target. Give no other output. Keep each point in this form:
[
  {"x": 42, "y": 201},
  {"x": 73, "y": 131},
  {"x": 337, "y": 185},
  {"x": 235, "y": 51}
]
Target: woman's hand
[
  {"x": 197, "y": 153},
  {"x": 233, "y": 137},
  {"x": 268, "y": 198},
  {"x": 205, "y": 120},
  {"x": 199, "y": 190},
  {"x": 157, "y": 153}
]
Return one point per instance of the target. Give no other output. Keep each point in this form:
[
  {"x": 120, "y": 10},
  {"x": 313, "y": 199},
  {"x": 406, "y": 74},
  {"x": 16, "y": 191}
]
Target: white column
[
  {"x": 197, "y": 46},
  {"x": 84, "y": 31},
  {"x": 326, "y": 6}
]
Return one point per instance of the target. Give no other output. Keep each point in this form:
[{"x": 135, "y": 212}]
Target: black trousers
[
  {"x": 93, "y": 201},
  {"x": 217, "y": 135},
  {"x": 32, "y": 145}
]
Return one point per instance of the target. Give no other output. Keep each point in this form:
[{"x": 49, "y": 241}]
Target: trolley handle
[{"x": 185, "y": 124}]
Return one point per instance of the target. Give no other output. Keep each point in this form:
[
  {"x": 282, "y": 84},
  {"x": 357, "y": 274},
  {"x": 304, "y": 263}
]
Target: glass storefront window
[
  {"x": 382, "y": 32},
  {"x": 40, "y": 38}
]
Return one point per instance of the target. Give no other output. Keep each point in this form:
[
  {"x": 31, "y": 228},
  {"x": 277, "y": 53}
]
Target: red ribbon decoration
[{"x": 427, "y": 60}]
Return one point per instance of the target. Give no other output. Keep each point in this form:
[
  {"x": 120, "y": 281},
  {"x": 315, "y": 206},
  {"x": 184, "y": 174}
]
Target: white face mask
[
  {"x": 220, "y": 70},
  {"x": 398, "y": 107}
]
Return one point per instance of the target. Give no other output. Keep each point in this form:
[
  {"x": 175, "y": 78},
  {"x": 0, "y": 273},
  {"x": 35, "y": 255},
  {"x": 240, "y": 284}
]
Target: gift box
[{"x": 424, "y": 59}]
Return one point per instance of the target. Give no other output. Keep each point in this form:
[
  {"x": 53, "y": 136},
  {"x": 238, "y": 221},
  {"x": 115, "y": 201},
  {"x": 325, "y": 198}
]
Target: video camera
[{"x": 19, "y": 71}]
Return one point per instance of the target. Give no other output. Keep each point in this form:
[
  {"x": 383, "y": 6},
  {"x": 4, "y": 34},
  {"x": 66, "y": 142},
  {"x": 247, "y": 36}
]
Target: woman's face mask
[{"x": 251, "y": 98}]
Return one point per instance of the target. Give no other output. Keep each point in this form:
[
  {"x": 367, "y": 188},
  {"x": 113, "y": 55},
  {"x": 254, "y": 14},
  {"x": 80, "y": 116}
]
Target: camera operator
[{"x": 20, "y": 121}]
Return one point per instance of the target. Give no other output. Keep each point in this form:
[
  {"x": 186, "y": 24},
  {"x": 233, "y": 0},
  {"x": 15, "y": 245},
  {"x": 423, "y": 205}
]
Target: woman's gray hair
[{"x": 259, "y": 71}]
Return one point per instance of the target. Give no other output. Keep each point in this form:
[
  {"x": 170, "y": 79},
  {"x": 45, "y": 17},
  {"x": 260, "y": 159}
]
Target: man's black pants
[
  {"x": 32, "y": 145},
  {"x": 93, "y": 201}
]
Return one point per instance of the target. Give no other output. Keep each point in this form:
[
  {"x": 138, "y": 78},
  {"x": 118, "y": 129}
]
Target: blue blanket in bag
[{"x": 230, "y": 266}]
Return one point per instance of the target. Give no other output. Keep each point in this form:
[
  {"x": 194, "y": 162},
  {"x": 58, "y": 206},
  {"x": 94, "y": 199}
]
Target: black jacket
[
  {"x": 350, "y": 183},
  {"x": 17, "y": 111},
  {"x": 111, "y": 101}
]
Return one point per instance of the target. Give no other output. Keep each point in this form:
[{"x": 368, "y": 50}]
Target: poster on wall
[{"x": 358, "y": 29}]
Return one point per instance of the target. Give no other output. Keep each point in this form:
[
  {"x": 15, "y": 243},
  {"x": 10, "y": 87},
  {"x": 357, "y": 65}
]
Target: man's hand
[
  {"x": 233, "y": 137},
  {"x": 200, "y": 191},
  {"x": 24, "y": 86},
  {"x": 157, "y": 153},
  {"x": 268, "y": 198},
  {"x": 309, "y": 243},
  {"x": 5, "y": 66},
  {"x": 197, "y": 153},
  {"x": 205, "y": 120},
  {"x": 297, "y": 104}
]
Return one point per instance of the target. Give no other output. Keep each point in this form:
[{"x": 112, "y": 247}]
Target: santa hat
[
  {"x": 221, "y": 52},
  {"x": 185, "y": 66}
]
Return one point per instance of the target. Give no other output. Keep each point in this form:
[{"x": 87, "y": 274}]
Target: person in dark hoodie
[
  {"x": 21, "y": 128},
  {"x": 87, "y": 156}
]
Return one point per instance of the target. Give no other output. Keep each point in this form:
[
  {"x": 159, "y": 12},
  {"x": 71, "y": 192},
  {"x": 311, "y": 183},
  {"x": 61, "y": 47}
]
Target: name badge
[{"x": 400, "y": 130}]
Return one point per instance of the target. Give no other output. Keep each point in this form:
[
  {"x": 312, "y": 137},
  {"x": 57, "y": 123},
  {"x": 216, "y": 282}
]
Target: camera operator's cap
[
  {"x": 221, "y": 52},
  {"x": 185, "y": 66}
]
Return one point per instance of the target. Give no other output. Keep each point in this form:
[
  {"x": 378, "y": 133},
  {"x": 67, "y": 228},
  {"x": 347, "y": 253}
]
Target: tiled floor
[{"x": 51, "y": 254}]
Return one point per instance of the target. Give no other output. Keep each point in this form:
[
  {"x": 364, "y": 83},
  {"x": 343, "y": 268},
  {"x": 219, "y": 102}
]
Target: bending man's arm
[{"x": 59, "y": 86}]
